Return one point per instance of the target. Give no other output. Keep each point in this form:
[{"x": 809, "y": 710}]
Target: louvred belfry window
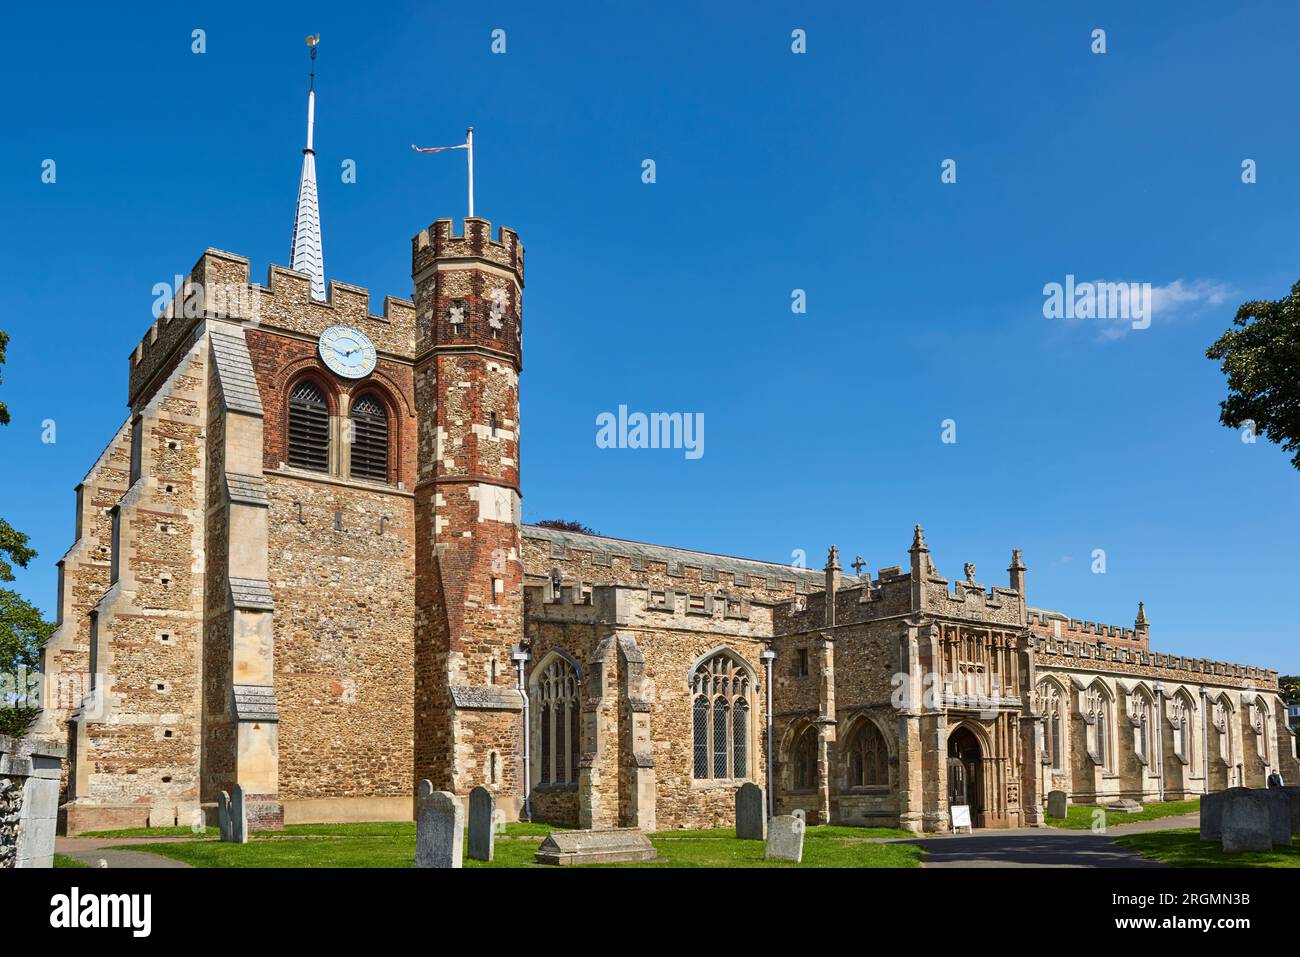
[
  {"x": 309, "y": 428},
  {"x": 369, "y": 439}
]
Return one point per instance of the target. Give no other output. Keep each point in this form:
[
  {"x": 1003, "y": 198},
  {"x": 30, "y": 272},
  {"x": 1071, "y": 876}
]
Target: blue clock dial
[{"x": 347, "y": 352}]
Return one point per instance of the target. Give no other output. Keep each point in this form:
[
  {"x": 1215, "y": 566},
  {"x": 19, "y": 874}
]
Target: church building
[{"x": 299, "y": 567}]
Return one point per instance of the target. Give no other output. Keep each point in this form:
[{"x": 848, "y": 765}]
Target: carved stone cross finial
[{"x": 858, "y": 565}]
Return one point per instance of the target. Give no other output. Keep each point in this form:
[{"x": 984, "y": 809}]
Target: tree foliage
[
  {"x": 1289, "y": 687},
  {"x": 22, "y": 629},
  {"x": 1260, "y": 356},
  {"x": 22, "y": 633},
  {"x": 566, "y": 526}
]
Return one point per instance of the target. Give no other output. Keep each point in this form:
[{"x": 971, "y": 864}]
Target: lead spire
[{"x": 305, "y": 254}]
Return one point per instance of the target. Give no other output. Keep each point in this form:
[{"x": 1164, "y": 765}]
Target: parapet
[
  {"x": 1042, "y": 620},
  {"x": 218, "y": 287},
  {"x": 439, "y": 243},
  {"x": 1182, "y": 668},
  {"x": 593, "y": 558}
]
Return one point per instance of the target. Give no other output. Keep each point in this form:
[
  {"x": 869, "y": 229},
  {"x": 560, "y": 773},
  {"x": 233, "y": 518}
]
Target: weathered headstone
[
  {"x": 1126, "y": 806},
  {"x": 785, "y": 838},
  {"x": 1246, "y": 822},
  {"x": 1292, "y": 795},
  {"x": 1212, "y": 813},
  {"x": 238, "y": 816},
  {"x": 1279, "y": 816},
  {"x": 1057, "y": 801},
  {"x": 751, "y": 813},
  {"x": 439, "y": 828},
  {"x": 223, "y": 816},
  {"x": 482, "y": 810}
]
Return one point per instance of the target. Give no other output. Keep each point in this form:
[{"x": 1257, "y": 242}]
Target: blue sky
[{"x": 775, "y": 172}]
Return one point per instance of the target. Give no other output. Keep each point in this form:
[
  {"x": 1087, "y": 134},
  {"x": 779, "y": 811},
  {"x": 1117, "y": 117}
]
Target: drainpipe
[
  {"x": 520, "y": 657},
  {"x": 768, "y": 655},
  {"x": 1160, "y": 738},
  {"x": 1205, "y": 740}
]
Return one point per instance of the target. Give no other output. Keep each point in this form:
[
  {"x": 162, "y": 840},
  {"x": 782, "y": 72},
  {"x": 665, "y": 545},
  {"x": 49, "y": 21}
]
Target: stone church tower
[
  {"x": 299, "y": 570},
  {"x": 469, "y": 579}
]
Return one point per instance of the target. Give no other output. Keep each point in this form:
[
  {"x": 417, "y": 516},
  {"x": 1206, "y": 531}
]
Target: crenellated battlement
[
  {"x": 218, "y": 287},
  {"x": 1048, "y": 623},
  {"x": 440, "y": 243},
  {"x": 1082, "y": 653}
]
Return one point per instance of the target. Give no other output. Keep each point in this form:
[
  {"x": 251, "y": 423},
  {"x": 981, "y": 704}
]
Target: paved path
[
  {"x": 1044, "y": 846},
  {"x": 91, "y": 850}
]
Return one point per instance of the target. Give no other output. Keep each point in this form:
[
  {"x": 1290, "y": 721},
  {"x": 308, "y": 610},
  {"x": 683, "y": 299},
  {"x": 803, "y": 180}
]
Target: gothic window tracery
[
  {"x": 1049, "y": 703},
  {"x": 1219, "y": 718},
  {"x": 720, "y": 719},
  {"x": 559, "y": 715},
  {"x": 1140, "y": 715},
  {"x": 1096, "y": 709},
  {"x": 804, "y": 760},
  {"x": 868, "y": 757}
]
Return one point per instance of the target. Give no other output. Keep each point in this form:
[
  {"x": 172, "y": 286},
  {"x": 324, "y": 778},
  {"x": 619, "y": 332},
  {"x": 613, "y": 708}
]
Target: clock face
[{"x": 347, "y": 351}]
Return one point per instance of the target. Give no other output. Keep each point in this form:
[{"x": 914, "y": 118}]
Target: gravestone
[
  {"x": 439, "y": 828},
  {"x": 751, "y": 814},
  {"x": 606, "y": 846},
  {"x": 238, "y": 817},
  {"x": 1279, "y": 816},
  {"x": 223, "y": 815},
  {"x": 1212, "y": 813},
  {"x": 1246, "y": 822},
  {"x": 1057, "y": 801},
  {"x": 1292, "y": 795},
  {"x": 482, "y": 811},
  {"x": 785, "y": 838},
  {"x": 1126, "y": 806}
]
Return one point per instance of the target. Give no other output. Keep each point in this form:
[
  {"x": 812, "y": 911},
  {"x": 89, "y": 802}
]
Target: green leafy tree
[
  {"x": 22, "y": 629},
  {"x": 1260, "y": 356},
  {"x": 1289, "y": 686},
  {"x": 22, "y": 633}
]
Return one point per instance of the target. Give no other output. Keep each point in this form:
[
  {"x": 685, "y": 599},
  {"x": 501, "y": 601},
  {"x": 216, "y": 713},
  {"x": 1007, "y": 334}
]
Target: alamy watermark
[
  {"x": 185, "y": 299},
  {"x": 1126, "y": 301},
  {"x": 651, "y": 430}
]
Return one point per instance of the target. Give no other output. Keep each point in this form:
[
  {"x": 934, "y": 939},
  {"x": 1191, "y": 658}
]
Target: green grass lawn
[
  {"x": 393, "y": 845},
  {"x": 63, "y": 860},
  {"x": 152, "y": 832},
  {"x": 1182, "y": 847},
  {"x": 1079, "y": 816}
]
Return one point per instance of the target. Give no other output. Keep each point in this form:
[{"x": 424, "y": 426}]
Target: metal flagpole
[{"x": 469, "y": 148}]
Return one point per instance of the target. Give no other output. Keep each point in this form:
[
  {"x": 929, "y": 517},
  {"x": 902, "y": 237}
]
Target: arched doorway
[{"x": 965, "y": 781}]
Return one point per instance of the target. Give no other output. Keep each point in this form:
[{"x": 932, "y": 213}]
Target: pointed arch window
[
  {"x": 309, "y": 428},
  {"x": 1096, "y": 710},
  {"x": 868, "y": 757},
  {"x": 720, "y": 719},
  {"x": 559, "y": 715},
  {"x": 1050, "y": 704},
  {"x": 369, "y": 452},
  {"x": 1180, "y": 724},
  {"x": 804, "y": 757},
  {"x": 1140, "y": 715}
]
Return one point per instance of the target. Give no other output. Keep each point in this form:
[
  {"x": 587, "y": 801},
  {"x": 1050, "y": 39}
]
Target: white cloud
[{"x": 1172, "y": 302}]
